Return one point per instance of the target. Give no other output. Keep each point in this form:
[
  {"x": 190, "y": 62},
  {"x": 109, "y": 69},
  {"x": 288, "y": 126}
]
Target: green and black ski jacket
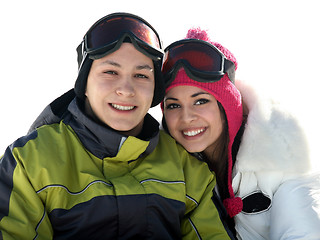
[{"x": 76, "y": 179}]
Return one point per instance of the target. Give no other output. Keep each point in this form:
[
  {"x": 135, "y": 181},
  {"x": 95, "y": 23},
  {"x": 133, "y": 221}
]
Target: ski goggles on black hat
[
  {"x": 201, "y": 60},
  {"x": 108, "y": 33}
]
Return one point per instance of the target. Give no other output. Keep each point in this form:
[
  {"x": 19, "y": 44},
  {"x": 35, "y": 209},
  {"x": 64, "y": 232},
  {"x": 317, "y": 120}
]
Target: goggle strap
[
  {"x": 80, "y": 54},
  {"x": 229, "y": 68}
]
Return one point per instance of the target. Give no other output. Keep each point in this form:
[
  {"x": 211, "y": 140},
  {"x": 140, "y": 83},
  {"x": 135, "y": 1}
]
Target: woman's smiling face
[{"x": 193, "y": 118}]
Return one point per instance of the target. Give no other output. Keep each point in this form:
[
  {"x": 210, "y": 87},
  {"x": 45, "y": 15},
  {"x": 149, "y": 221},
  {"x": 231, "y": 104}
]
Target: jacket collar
[{"x": 103, "y": 141}]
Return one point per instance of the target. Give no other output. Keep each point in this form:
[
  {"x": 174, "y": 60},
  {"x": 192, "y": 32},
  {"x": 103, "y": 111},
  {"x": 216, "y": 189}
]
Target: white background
[{"x": 276, "y": 43}]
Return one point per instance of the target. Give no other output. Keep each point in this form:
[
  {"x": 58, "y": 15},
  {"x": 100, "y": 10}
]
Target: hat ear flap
[
  {"x": 81, "y": 82},
  {"x": 159, "y": 89}
]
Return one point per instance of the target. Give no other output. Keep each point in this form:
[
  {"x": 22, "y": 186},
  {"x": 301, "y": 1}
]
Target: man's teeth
[
  {"x": 193, "y": 133},
  {"x": 122, "y": 108}
]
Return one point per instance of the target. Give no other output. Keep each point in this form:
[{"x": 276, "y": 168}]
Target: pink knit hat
[{"x": 228, "y": 95}]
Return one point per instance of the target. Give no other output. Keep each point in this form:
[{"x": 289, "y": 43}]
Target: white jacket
[{"x": 273, "y": 161}]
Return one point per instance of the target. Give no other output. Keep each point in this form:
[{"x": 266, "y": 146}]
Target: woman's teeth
[{"x": 194, "y": 132}]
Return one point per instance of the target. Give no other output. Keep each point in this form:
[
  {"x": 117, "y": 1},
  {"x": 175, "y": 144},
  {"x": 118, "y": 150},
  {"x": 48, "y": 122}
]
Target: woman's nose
[{"x": 188, "y": 115}]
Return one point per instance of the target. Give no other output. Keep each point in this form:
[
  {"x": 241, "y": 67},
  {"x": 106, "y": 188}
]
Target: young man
[{"x": 95, "y": 165}]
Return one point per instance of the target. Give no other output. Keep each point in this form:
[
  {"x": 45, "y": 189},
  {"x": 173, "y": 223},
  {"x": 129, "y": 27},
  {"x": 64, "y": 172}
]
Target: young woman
[
  {"x": 257, "y": 150},
  {"x": 95, "y": 165}
]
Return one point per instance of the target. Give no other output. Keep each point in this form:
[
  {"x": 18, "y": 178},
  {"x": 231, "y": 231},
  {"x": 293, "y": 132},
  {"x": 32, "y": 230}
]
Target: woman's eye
[
  {"x": 201, "y": 101},
  {"x": 172, "y": 106}
]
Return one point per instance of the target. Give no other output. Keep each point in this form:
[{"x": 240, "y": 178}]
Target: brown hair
[{"x": 218, "y": 160}]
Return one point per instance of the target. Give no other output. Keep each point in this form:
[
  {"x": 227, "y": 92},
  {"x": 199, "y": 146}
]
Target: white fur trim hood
[
  {"x": 273, "y": 139},
  {"x": 273, "y": 159}
]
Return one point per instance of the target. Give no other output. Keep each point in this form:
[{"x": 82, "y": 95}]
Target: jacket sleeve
[
  {"x": 22, "y": 213},
  {"x": 295, "y": 213},
  {"x": 202, "y": 220}
]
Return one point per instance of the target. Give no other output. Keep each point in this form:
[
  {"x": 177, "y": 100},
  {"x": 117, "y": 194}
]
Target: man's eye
[
  {"x": 141, "y": 76},
  {"x": 111, "y": 72}
]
